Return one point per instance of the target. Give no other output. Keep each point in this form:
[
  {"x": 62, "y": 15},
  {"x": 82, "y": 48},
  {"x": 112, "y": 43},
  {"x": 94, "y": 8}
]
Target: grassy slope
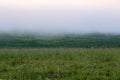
[
  {"x": 83, "y": 41},
  {"x": 60, "y": 64}
]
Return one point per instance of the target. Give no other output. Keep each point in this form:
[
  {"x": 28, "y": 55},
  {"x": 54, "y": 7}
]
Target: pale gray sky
[{"x": 58, "y": 16}]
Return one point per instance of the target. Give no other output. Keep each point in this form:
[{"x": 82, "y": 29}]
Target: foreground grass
[{"x": 60, "y": 64}]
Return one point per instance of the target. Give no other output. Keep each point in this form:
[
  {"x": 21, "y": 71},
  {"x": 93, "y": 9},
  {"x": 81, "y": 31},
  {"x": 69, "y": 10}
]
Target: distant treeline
[{"x": 69, "y": 41}]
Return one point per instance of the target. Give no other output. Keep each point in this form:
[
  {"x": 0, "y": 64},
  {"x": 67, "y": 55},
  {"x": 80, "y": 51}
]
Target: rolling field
[
  {"x": 60, "y": 64},
  {"x": 64, "y": 41}
]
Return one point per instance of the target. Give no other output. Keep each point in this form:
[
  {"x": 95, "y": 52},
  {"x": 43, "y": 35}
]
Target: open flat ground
[{"x": 60, "y": 64}]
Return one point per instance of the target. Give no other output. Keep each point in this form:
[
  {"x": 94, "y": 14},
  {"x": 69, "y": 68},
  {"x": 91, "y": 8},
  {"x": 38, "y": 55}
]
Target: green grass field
[{"x": 60, "y": 64}]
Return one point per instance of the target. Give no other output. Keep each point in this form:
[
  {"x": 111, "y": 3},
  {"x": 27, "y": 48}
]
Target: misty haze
[{"x": 60, "y": 16}]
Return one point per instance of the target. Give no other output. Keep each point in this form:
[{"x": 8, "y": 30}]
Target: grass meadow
[{"x": 60, "y": 64}]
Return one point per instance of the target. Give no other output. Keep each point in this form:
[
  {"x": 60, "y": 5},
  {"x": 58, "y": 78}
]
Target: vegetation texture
[
  {"x": 60, "y": 64},
  {"x": 67, "y": 41}
]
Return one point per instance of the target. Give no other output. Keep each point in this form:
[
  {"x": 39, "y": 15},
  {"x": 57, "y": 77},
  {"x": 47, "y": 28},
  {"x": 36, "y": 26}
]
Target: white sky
[
  {"x": 43, "y": 4},
  {"x": 56, "y": 16}
]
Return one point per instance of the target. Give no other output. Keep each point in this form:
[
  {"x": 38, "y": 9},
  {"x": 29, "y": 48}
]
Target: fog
[{"x": 60, "y": 16}]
